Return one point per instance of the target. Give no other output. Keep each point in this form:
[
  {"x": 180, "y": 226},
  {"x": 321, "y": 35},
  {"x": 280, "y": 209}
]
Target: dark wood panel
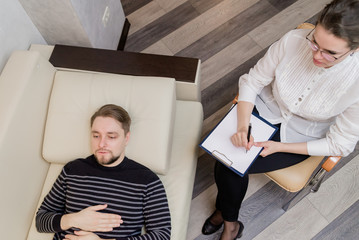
[
  {"x": 161, "y": 27},
  {"x": 229, "y": 32},
  {"x": 129, "y": 6},
  {"x": 139, "y": 64}
]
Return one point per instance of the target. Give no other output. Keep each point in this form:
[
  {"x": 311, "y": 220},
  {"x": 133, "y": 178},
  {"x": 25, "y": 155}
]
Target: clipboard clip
[{"x": 220, "y": 156}]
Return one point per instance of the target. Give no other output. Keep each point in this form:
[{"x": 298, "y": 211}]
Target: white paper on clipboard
[{"x": 218, "y": 142}]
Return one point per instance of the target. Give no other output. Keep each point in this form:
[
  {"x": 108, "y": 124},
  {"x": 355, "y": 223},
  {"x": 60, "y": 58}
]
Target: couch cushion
[
  {"x": 180, "y": 178},
  {"x": 150, "y": 102},
  {"x": 25, "y": 85}
]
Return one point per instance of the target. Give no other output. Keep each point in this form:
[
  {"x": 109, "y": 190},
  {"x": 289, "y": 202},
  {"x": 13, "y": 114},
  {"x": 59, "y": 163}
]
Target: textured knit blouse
[
  {"x": 130, "y": 190},
  {"x": 316, "y": 105}
]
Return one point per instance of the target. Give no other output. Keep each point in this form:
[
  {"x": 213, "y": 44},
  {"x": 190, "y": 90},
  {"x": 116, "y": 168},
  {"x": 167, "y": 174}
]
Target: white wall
[
  {"x": 90, "y": 13},
  {"x": 83, "y": 24},
  {"x": 77, "y": 22},
  {"x": 17, "y": 31}
]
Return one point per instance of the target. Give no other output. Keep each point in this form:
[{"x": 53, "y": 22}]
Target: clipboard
[{"x": 218, "y": 143}]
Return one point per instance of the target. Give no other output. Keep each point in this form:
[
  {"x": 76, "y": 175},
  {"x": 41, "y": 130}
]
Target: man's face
[{"x": 108, "y": 141}]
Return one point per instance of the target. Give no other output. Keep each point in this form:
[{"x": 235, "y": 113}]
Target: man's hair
[
  {"x": 115, "y": 112},
  {"x": 341, "y": 18}
]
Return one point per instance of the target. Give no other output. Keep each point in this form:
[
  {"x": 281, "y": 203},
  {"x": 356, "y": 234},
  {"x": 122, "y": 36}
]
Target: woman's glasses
[{"x": 328, "y": 56}]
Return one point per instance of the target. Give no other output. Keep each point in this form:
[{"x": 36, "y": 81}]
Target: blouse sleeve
[{"x": 342, "y": 136}]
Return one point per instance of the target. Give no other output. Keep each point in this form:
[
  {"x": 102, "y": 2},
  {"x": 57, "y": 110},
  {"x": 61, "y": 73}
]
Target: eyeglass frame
[{"x": 322, "y": 51}]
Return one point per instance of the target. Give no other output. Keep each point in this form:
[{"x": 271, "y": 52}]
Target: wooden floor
[{"x": 229, "y": 36}]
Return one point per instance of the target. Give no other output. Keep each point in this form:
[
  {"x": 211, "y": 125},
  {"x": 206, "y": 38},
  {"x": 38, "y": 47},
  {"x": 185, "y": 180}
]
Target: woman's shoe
[
  {"x": 209, "y": 228},
  {"x": 240, "y": 230}
]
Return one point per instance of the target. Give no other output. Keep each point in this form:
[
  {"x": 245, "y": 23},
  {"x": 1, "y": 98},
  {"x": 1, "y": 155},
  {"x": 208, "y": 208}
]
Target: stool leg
[{"x": 317, "y": 180}]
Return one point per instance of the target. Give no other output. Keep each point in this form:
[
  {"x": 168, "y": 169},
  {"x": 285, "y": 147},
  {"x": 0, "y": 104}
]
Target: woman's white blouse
[{"x": 316, "y": 105}]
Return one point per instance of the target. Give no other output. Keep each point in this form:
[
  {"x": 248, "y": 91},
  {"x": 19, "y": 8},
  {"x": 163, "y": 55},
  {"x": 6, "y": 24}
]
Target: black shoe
[
  {"x": 209, "y": 228},
  {"x": 240, "y": 230}
]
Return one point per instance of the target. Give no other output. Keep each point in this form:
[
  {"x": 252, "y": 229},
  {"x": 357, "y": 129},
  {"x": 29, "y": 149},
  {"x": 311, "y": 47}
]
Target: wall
[
  {"x": 90, "y": 13},
  {"x": 77, "y": 22},
  {"x": 17, "y": 31}
]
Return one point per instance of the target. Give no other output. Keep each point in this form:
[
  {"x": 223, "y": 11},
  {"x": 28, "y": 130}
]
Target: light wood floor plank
[
  {"x": 227, "y": 60},
  {"x": 203, "y": 5},
  {"x": 288, "y": 19},
  {"x": 301, "y": 222},
  {"x": 205, "y": 23},
  {"x": 225, "y": 89},
  {"x": 341, "y": 189},
  {"x": 169, "y": 5},
  {"x": 144, "y": 16},
  {"x": 158, "y": 48},
  {"x": 160, "y": 27},
  {"x": 346, "y": 226},
  {"x": 232, "y": 30}
]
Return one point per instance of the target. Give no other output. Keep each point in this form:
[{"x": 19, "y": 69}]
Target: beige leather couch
[{"x": 44, "y": 123}]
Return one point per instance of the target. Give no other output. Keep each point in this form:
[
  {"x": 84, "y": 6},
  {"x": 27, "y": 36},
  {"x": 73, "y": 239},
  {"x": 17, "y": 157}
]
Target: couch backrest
[
  {"x": 25, "y": 86},
  {"x": 150, "y": 101}
]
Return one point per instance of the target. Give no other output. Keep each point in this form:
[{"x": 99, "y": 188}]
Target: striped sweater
[{"x": 130, "y": 190}]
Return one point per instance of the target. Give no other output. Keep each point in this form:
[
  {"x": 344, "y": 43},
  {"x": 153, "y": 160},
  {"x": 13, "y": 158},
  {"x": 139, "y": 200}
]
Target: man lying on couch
[{"x": 106, "y": 195}]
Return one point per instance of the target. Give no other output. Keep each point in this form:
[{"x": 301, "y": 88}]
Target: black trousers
[{"x": 232, "y": 187}]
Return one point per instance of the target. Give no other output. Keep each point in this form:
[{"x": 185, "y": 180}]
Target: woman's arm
[
  {"x": 270, "y": 147},
  {"x": 244, "y": 111}
]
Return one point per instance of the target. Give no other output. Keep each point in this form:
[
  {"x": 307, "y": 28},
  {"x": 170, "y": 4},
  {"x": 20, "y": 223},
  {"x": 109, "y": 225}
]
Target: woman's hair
[
  {"x": 115, "y": 112},
  {"x": 341, "y": 18}
]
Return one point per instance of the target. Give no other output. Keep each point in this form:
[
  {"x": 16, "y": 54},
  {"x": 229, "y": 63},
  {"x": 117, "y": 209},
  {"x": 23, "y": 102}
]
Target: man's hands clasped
[{"x": 90, "y": 220}]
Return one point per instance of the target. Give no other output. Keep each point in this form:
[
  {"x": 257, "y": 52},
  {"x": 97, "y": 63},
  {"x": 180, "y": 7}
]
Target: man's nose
[{"x": 102, "y": 142}]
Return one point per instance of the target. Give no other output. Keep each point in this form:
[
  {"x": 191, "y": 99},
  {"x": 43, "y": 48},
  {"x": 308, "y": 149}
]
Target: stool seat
[{"x": 294, "y": 178}]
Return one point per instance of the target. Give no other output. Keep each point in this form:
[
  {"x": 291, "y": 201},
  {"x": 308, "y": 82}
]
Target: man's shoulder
[
  {"x": 79, "y": 163},
  {"x": 140, "y": 169}
]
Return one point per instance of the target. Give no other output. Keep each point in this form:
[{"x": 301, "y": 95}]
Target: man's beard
[{"x": 109, "y": 162}]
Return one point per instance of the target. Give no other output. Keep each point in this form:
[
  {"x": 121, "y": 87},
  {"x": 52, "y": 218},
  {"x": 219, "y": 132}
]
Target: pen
[{"x": 249, "y": 133}]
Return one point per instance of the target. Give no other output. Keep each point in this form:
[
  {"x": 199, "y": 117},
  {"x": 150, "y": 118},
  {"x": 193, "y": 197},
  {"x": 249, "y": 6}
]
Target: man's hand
[
  {"x": 82, "y": 235},
  {"x": 90, "y": 220}
]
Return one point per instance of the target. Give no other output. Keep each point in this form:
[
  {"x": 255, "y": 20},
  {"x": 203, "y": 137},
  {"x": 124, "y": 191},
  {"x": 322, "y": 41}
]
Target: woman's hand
[
  {"x": 269, "y": 147},
  {"x": 240, "y": 139}
]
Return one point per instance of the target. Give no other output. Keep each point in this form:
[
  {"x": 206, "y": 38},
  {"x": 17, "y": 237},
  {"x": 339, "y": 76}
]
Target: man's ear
[{"x": 127, "y": 137}]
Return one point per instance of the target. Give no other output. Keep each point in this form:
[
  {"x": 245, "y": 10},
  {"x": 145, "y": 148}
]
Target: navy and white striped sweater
[{"x": 130, "y": 190}]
